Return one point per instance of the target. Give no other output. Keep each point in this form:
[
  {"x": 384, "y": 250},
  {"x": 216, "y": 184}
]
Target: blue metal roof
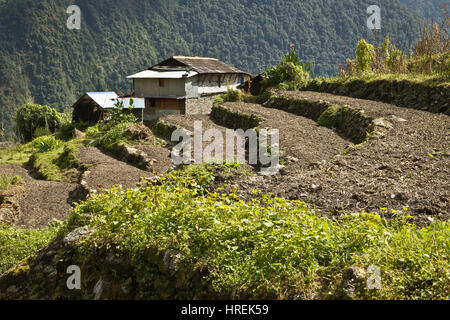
[{"x": 138, "y": 103}]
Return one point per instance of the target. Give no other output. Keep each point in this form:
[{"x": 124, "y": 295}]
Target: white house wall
[
  {"x": 209, "y": 83},
  {"x": 151, "y": 88}
]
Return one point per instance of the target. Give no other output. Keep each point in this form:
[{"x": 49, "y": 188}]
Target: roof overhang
[
  {"x": 108, "y": 100},
  {"x": 153, "y": 74}
]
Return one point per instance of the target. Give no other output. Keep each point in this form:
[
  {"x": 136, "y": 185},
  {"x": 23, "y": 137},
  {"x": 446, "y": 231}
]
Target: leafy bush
[
  {"x": 41, "y": 131},
  {"x": 397, "y": 61},
  {"x": 114, "y": 137},
  {"x": 45, "y": 143},
  {"x": 290, "y": 74},
  {"x": 121, "y": 115},
  {"x": 233, "y": 119},
  {"x": 230, "y": 96},
  {"x": 30, "y": 117},
  {"x": 17, "y": 244},
  {"x": 266, "y": 248}
]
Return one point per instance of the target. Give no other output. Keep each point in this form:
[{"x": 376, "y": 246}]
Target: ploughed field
[{"x": 402, "y": 167}]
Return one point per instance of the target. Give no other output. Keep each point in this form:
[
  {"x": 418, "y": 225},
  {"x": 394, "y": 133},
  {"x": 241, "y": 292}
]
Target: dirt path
[
  {"x": 43, "y": 201},
  {"x": 407, "y": 168}
]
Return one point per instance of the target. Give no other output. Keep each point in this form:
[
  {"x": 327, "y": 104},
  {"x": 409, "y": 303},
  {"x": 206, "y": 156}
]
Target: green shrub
[
  {"x": 68, "y": 158},
  {"x": 6, "y": 181},
  {"x": 114, "y": 137},
  {"x": 233, "y": 119},
  {"x": 350, "y": 122},
  {"x": 265, "y": 248},
  {"x": 164, "y": 130},
  {"x": 41, "y": 131},
  {"x": 364, "y": 54},
  {"x": 290, "y": 74},
  {"x": 45, "y": 143},
  {"x": 121, "y": 115},
  {"x": 230, "y": 96},
  {"x": 30, "y": 117}
]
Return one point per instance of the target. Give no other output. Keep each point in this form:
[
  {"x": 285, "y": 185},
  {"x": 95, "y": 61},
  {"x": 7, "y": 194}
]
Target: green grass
[
  {"x": 109, "y": 137},
  {"x": 6, "y": 181},
  {"x": 17, "y": 244},
  {"x": 429, "y": 80},
  {"x": 15, "y": 155},
  {"x": 59, "y": 163},
  {"x": 266, "y": 248}
]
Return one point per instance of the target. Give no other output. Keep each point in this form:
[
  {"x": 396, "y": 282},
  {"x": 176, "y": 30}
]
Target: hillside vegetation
[
  {"x": 43, "y": 62},
  {"x": 429, "y": 9}
]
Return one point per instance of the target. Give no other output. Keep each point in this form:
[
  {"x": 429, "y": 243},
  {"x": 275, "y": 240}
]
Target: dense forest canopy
[
  {"x": 42, "y": 61},
  {"x": 429, "y": 9}
]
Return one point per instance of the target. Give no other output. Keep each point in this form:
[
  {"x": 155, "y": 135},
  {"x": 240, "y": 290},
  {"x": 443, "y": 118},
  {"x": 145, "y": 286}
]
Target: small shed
[{"x": 93, "y": 107}]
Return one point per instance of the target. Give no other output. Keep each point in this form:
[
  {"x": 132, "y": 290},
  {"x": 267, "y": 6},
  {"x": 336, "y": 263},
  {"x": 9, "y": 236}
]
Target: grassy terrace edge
[
  {"x": 428, "y": 93},
  {"x": 350, "y": 122}
]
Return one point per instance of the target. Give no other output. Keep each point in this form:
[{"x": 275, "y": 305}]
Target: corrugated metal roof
[
  {"x": 152, "y": 74},
  {"x": 138, "y": 103},
  {"x": 103, "y": 99},
  {"x": 108, "y": 100}
]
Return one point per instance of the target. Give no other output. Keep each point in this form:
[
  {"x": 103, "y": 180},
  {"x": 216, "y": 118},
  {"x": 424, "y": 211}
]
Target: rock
[
  {"x": 6, "y": 144},
  {"x": 380, "y": 122},
  {"x": 351, "y": 279},
  {"x": 78, "y": 134},
  {"x": 76, "y": 235},
  {"x": 395, "y": 118},
  {"x": 171, "y": 261},
  {"x": 98, "y": 289}
]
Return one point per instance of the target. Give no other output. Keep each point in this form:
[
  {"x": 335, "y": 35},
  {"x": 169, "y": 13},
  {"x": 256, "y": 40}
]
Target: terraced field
[{"x": 404, "y": 166}]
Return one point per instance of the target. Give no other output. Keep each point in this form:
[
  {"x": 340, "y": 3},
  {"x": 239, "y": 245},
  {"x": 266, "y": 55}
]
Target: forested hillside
[
  {"x": 42, "y": 61},
  {"x": 429, "y": 9}
]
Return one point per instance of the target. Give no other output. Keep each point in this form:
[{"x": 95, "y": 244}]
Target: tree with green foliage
[
  {"x": 290, "y": 74},
  {"x": 120, "y": 114},
  {"x": 31, "y": 117},
  {"x": 364, "y": 55}
]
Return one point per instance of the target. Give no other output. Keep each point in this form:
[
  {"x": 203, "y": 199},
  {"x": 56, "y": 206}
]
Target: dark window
[
  {"x": 161, "y": 82},
  {"x": 152, "y": 102}
]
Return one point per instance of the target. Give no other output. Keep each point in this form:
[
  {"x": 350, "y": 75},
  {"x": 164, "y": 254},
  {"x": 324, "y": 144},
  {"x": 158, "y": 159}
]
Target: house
[
  {"x": 95, "y": 106},
  {"x": 184, "y": 85}
]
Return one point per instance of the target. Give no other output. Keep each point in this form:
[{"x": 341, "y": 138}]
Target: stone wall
[{"x": 201, "y": 105}]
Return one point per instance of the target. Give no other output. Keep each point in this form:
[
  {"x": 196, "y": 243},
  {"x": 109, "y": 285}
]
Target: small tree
[
  {"x": 364, "y": 54},
  {"x": 30, "y": 117},
  {"x": 120, "y": 114},
  {"x": 290, "y": 74}
]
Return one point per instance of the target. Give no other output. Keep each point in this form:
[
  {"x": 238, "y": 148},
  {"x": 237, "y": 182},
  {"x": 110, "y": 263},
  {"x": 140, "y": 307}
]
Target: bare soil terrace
[
  {"x": 404, "y": 167},
  {"x": 408, "y": 167}
]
